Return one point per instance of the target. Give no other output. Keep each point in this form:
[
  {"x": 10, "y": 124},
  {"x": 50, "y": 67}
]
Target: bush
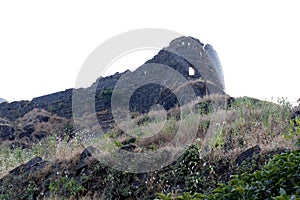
[{"x": 278, "y": 179}]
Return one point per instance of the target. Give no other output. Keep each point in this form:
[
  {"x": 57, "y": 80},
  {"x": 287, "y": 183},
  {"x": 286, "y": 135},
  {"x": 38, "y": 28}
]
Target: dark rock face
[
  {"x": 27, "y": 131},
  {"x": 59, "y": 103},
  {"x": 31, "y": 128},
  {"x": 42, "y": 118},
  {"x": 6, "y": 132},
  {"x": 182, "y": 54},
  {"x": 34, "y": 165},
  {"x": 248, "y": 155},
  {"x": 84, "y": 156},
  {"x": 203, "y": 58},
  {"x": 148, "y": 95},
  {"x": 41, "y": 135},
  {"x": 87, "y": 152},
  {"x": 16, "y": 144},
  {"x": 14, "y": 110},
  {"x": 129, "y": 147}
]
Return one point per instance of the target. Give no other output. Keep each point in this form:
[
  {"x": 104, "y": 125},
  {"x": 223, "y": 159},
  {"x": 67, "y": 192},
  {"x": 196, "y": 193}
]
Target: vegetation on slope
[
  {"x": 278, "y": 179},
  {"x": 206, "y": 170}
]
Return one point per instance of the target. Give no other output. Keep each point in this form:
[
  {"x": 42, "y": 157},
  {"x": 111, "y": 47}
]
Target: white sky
[{"x": 43, "y": 44}]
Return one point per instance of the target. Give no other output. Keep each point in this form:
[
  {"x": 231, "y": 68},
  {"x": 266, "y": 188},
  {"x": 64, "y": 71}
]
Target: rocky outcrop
[
  {"x": 32, "y": 127},
  {"x": 32, "y": 166},
  {"x": 182, "y": 54},
  {"x": 59, "y": 103},
  {"x": 248, "y": 155},
  {"x": 14, "y": 110},
  {"x": 7, "y": 132}
]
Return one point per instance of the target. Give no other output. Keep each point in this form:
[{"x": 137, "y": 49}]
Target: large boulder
[
  {"x": 32, "y": 166},
  {"x": 248, "y": 155},
  {"x": 6, "y": 130}
]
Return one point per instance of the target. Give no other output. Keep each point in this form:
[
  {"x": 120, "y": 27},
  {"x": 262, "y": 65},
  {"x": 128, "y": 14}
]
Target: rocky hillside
[
  {"x": 42, "y": 155},
  {"x": 23, "y": 123},
  {"x": 253, "y": 132}
]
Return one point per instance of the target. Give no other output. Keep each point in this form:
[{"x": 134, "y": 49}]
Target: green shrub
[
  {"x": 67, "y": 186},
  {"x": 294, "y": 130},
  {"x": 278, "y": 179}
]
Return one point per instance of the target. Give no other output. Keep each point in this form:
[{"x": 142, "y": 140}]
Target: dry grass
[
  {"x": 221, "y": 132},
  {"x": 50, "y": 148}
]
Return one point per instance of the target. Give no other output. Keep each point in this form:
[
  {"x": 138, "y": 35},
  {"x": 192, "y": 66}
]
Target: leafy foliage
[
  {"x": 65, "y": 185},
  {"x": 278, "y": 179}
]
